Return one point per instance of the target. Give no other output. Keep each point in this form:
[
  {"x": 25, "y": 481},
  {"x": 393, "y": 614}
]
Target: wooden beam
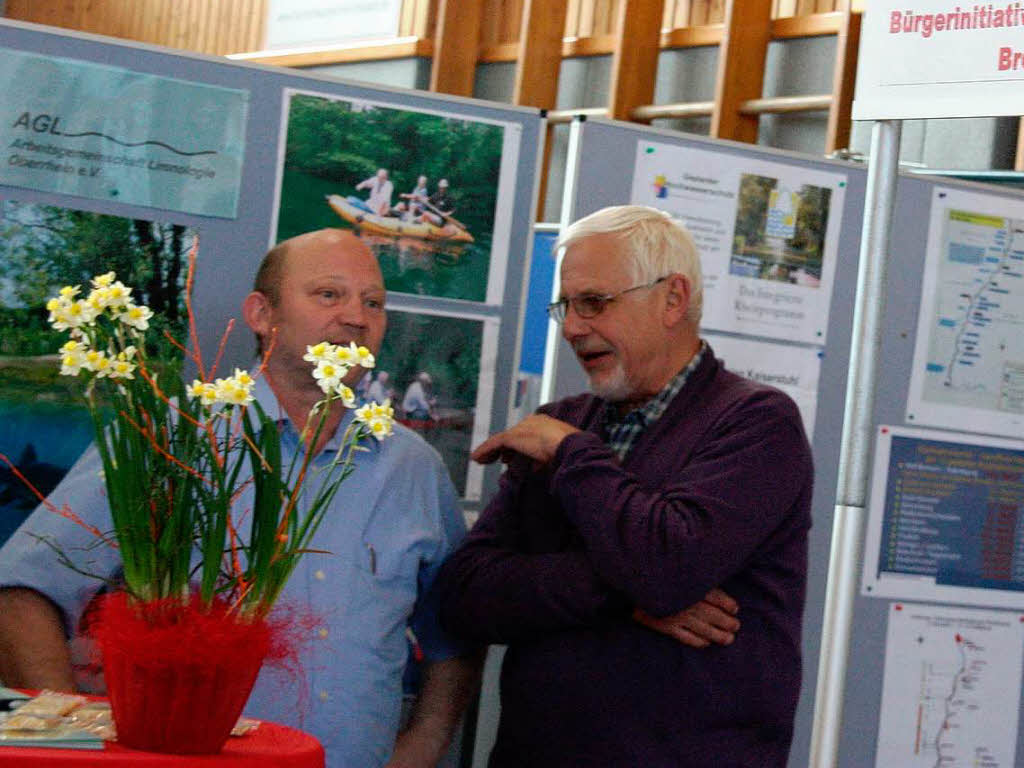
[
  {"x": 600, "y": 45},
  {"x": 635, "y": 61},
  {"x": 692, "y": 37},
  {"x": 456, "y": 44},
  {"x": 814, "y": 25},
  {"x": 677, "y": 110},
  {"x": 741, "y": 59},
  {"x": 490, "y": 54},
  {"x": 818, "y": 25},
  {"x": 323, "y": 56},
  {"x": 540, "y": 53},
  {"x": 1018, "y": 163},
  {"x": 778, "y": 105},
  {"x": 545, "y": 171},
  {"x": 423, "y": 19},
  {"x": 844, "y": 76}
]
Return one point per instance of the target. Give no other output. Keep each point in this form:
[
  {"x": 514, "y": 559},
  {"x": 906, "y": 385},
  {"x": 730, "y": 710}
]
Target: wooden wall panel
[
  {"x": 232, "y": 26},
  {"x": 456, "y": 46},
  {"x": 572, "y": 17},
  {"x": 206, "y": 26},
  {"x": 740, "y": 75},
  {"x": 700, "y": 13},
  {"x": 500, "y": 23},
  {"x": 635, "y": 61}
]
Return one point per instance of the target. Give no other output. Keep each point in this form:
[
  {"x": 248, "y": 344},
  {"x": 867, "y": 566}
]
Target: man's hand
[
  {"x": 33, "y": 650},
  {"x": 712, "y": 620},
  {"x": 536, "y": 437},
  {"x": 447, "y": 688}
]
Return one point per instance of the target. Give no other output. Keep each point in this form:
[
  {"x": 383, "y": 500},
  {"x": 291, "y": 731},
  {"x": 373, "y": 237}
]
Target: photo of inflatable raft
[{"x": 355, "y": 212}]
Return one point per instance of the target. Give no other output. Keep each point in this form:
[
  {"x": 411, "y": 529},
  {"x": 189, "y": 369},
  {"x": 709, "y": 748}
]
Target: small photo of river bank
[{"x": 46, "y": 426}]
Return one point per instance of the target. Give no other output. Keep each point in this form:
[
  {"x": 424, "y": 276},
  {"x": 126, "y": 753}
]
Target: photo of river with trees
[{"x": 42, "y": 248}]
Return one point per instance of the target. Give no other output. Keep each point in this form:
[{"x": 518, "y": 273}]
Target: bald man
[{"x": 383, "y": 541}]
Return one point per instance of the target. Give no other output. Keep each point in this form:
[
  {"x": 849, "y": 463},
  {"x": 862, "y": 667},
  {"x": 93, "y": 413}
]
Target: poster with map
[
  {"x": 951, "y": 688},
  {"x": 968, "y": 369}
]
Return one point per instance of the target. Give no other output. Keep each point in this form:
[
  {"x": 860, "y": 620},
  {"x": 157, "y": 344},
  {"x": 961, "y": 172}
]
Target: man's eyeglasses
[{"x": 588, "y": 305}]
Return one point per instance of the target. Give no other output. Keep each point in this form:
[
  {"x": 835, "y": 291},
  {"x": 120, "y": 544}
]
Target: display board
[
  {"x": 939, "y": 230},
  {"x": 118, "y": 155},
  {"x": 610, "y": 164}
]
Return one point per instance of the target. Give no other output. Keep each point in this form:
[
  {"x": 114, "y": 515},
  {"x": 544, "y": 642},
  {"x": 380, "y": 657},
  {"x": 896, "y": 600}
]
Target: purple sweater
[{"x": 715, "y": 493}]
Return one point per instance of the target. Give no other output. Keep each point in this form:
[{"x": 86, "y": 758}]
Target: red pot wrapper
[{"x": 178, "y": 675}]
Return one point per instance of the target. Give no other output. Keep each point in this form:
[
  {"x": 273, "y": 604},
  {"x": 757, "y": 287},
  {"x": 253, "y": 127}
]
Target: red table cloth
[{"x": 268, "y": 745}]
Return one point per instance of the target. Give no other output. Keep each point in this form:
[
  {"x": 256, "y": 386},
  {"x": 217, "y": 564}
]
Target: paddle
[{"x": 444, "y": 215}]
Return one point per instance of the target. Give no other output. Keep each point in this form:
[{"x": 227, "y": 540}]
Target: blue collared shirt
[{"x": 392, "y": 523}]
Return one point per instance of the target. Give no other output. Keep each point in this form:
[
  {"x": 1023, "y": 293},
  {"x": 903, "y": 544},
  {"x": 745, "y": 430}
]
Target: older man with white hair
[{"x": 626, "y": 519}]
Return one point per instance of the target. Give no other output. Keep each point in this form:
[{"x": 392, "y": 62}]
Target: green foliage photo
[
  {"x": 43, "y": 247},
  {"x": 343, "y": 143}
]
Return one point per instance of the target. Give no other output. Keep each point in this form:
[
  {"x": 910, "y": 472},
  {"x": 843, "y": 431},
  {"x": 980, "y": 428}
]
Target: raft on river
[{"x": 355, "y": 212}]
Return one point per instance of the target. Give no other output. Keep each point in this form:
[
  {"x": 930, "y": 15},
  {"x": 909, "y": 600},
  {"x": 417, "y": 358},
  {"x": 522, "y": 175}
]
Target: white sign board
[
  {"x": 951, "y": 691},
  {"x": 940, "y": 58},
  {"x": 304, "y": 23},
  {"x": 767, "y": 233}
]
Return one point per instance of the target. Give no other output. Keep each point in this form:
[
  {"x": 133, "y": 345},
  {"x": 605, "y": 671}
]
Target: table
[{"x": 269, "y": 745}]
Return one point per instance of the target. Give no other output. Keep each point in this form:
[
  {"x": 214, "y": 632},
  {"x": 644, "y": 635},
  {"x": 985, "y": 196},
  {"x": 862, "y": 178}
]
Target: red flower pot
[{"x": 177, "y": 675}]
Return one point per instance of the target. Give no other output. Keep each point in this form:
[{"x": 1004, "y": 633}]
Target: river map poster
[
  {"x": 951, "y": 691},
  {"x": 113, "y": 134},
  {"x": 42, "y": 248},
  {"x": 968, "y": 371},
  {"x": 429, "y": 192},
  {"x": 767, "y": 233}
]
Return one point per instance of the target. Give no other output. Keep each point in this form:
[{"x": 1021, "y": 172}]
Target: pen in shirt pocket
[
  {"x": 373, "y": 558},
  {"x": 417, "y": 649}
]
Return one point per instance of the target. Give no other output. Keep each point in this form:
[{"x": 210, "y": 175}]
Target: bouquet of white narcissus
[{"x": 176, "y": 458}]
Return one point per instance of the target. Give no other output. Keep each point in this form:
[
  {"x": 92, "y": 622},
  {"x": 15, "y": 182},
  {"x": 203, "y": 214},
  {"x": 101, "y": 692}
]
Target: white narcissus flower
[
  {"x": 98, "y": 300},
  {"x": 316, "y": 353},
  {"x": 364, "y": 357},
  {"x": 136, "y": 315},
  {"x": 378, "y": 418},
  {"x": 345, "y": 355},
  {"x": 93, "y": 360},
  {"x": 72, "y": 314},
  {"x": 328, "y": 375},
  {"x": 122, "y": 368},
  {"x": 204, "y": 390},
  {"x": 69, "y": 292},
  {"x": 348, "y": 397},
  {"x": 103, "y": 366},
  {"x": 230, "y": 391},
  {"x": 72, "y": 357},
  {"x": 381, "y": 428},
  {"x": 118, "y": 295},
  {"x": 102, "y": 281}
]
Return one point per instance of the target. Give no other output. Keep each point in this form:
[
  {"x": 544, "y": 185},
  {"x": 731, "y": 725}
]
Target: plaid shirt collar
[{"x": 621, "y": 433}]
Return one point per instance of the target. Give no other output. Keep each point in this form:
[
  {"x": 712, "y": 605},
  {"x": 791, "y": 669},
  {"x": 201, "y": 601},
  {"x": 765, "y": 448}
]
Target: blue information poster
[
  {"x": 946, "y": 519},
  {"x": 109, "y": 133}
]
